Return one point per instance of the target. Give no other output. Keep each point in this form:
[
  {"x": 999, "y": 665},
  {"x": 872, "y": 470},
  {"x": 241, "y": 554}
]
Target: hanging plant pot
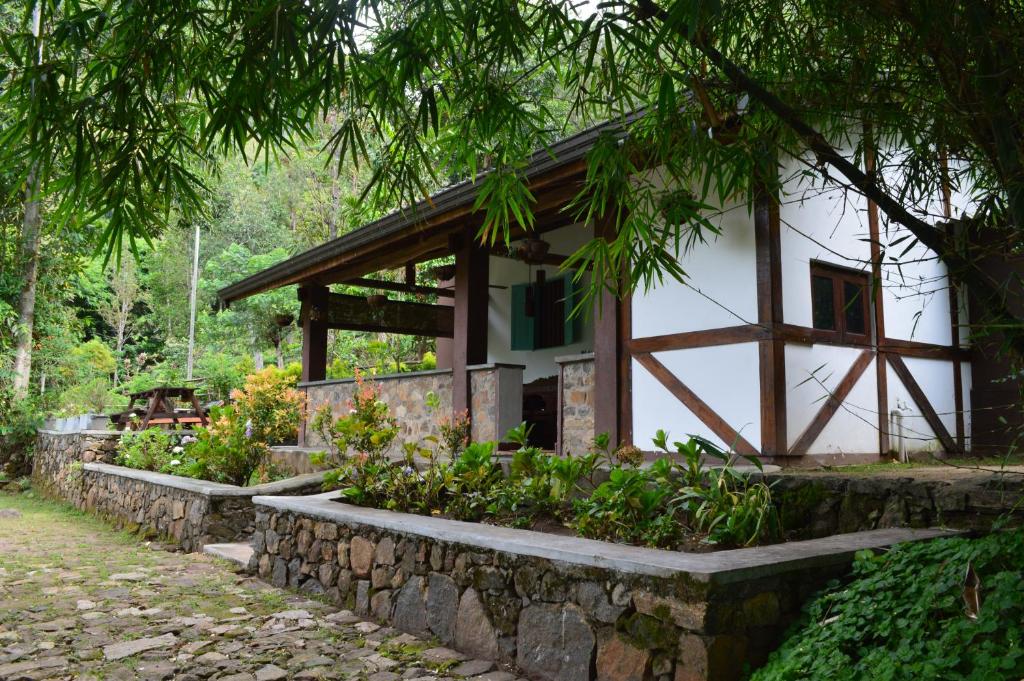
[
  {"x": 442, "y": 272},
  {"x": 376, "y": 300},
  {"x": 283, "y": 319},
  {"x": 533, "y": 251}
]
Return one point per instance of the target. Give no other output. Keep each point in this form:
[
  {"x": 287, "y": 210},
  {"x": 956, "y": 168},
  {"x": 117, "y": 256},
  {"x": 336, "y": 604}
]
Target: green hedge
[{"x": 903, "y": 617}]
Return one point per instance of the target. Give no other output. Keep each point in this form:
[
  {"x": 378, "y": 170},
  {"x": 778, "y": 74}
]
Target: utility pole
[{"x": 192, "y": 308}]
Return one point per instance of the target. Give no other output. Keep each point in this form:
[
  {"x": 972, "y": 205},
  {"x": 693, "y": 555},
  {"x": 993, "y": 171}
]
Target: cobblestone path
[{"x": 79, "y": 600}]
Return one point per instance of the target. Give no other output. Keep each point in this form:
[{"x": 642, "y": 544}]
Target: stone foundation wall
[
  {"x": 405, "y": 395},
  {"x": 819, "y": 505},
  {"x": 559, "y": 608},
  {"x": 59, "y": 456},
  {"x": 576, "y": 402}
]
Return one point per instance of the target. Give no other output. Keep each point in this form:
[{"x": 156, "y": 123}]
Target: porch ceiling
[{"x": 423, "y": 231}]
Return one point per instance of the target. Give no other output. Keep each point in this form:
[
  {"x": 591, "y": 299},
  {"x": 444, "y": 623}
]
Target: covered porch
[{"x": 507, "y": 348}]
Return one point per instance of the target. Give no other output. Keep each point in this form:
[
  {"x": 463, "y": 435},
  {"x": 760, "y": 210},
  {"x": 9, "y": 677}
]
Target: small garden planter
[{"x": 560, "y": 608}]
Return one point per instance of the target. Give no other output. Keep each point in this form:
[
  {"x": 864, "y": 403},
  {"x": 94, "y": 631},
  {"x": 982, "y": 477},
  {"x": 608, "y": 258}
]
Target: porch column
[
  {"x": 315, "y": 300},
  {"x": 469, "y": 344},
  {"x": 612, "y": 383}
]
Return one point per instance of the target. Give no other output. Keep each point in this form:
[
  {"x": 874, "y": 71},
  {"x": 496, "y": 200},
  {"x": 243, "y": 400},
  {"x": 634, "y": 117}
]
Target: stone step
[{"x": 238, "y": 553}]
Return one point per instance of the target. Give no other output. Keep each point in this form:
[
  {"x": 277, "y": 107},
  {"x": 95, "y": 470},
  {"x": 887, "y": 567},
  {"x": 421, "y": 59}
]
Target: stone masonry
[
  {"x": 818, "y": 505},
  {"x": 556, "y": 619},
  {"x": 74, "y": 466},
  {"x": 59, "y": 456},
  {"x": 192, "y": 513},
  {"x": 405, "y": 395},
  {"x": 576, "y": 400}
]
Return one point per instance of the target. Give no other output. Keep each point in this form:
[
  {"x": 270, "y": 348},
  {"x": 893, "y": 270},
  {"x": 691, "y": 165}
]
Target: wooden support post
[
  {"x": 469, "y": 344},
  {"x": 878, "y": 308},
  {"x": 771, "y": 351},
  {"x": 315, "y": 301},
  {"x": 610, "y": 402}
]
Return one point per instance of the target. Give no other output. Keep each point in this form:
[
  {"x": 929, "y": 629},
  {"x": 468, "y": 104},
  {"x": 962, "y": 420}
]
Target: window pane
[
  {"x": 823, "y": 308},
  {"x": 853, "y": 308}
]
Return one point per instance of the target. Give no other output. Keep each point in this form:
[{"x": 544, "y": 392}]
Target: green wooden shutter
[
  {"x": 573, "y": 323},
  {"x": 522, "y": 325}
]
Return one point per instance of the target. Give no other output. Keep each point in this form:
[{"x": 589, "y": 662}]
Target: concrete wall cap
[
  {"x": 382, "y": 377},
  {"x": 571, "y": 359},
  {"x": 203, "y": 487},
  {"x": 720, "y": 567}
]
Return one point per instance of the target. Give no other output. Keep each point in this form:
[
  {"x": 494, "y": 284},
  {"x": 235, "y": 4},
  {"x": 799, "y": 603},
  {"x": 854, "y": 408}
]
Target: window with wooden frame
[
  {"x": 840, "y": 301},
  {"x": 542, "y": 313}
]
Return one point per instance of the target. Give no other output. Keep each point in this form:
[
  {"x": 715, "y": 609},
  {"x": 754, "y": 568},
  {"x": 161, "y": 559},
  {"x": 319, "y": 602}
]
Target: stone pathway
[{"x": 79, "y": 600}]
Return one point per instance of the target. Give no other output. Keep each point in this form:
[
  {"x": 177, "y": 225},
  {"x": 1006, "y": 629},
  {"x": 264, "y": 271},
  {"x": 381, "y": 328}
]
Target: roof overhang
[{"x": 422, "y": 232}]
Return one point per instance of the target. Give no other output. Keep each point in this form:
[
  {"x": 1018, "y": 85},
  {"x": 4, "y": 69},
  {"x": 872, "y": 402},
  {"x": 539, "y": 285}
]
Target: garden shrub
[
  {"x": 667, "y": 504},
  {"x": 20, "y": 418},
  {"x": 904, "y": 617},
  {"x": 235, "y": 447}
]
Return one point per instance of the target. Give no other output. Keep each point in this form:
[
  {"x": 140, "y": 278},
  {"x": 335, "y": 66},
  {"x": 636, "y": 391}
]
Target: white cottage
[{"x": 777, "y": 344}]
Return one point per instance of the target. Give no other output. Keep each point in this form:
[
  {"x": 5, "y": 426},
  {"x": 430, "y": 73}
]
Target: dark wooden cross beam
[
  {"x": 401, "y": 287},
  {"x": 354, "y": 313}
]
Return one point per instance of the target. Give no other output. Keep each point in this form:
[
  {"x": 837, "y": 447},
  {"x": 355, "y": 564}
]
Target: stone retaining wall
[
  {"x": 819, "y": 505},
  {"x": 75, "y": 467},
  {"x": 191, "y": 512},
  {"x": 59, "y": 456},
  {"x": 560, "y": 608}
]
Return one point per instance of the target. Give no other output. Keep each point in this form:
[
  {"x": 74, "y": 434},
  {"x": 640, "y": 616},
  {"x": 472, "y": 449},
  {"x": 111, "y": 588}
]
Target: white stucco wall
[
  {"x": 505, "y": 272},
  {"x": 725, "y": 377},
  {"x": 818, "y": 223},
  {"x": 720, "y": 291},
  {"x": 721, "y": 288},
  {"x": 812, "y": 374}
]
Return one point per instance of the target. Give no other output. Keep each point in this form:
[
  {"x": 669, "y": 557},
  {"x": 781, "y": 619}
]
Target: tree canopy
[{"x": 130, "y": 98}]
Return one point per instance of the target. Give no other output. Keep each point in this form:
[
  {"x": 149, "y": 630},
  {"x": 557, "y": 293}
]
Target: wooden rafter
[
  {"x": 400, "y": 287},
  {"x": 922, "y": 402},
  {"x": 699, "y": 407},
  {"x": 832, "y": 404}
]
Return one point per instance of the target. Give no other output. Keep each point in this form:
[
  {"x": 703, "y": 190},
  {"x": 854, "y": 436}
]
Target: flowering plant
[{"x": 367, "y": 430}]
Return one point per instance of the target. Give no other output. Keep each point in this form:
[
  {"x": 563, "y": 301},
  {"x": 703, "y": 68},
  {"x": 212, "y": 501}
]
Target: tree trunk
[
  {"x": 280, "y": 352},
  {"x": 31, "y": 227},
  {"x": 122, "y": 323},
  {"x": 257, "y": 359}
]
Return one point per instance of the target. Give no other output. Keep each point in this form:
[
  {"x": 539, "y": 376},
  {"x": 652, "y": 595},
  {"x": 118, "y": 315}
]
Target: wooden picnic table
[{"x": 159, "y": 410}]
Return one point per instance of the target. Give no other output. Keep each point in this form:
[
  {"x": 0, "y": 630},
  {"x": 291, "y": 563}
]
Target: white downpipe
[{"x": 896, "y": 429}]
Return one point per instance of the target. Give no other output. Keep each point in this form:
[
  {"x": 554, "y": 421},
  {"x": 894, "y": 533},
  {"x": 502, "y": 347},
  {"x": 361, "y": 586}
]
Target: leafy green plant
[
  {"x": 722, "y": 503},
  {"x": 631, "y": 506},
  {"x": 148, "y": 450},
  {"x": 903, "y": 617},
  {"x": 19, "y": 421},
  {"x": 367, "y": 430}
]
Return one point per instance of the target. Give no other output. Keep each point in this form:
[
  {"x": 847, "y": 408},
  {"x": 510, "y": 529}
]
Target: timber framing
[
  {"x": 771, "y": 350},
  {"x": 355, "y": 313},
  {"x": 708, "y": 416},
  {"x": 399, "y": 287}
]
